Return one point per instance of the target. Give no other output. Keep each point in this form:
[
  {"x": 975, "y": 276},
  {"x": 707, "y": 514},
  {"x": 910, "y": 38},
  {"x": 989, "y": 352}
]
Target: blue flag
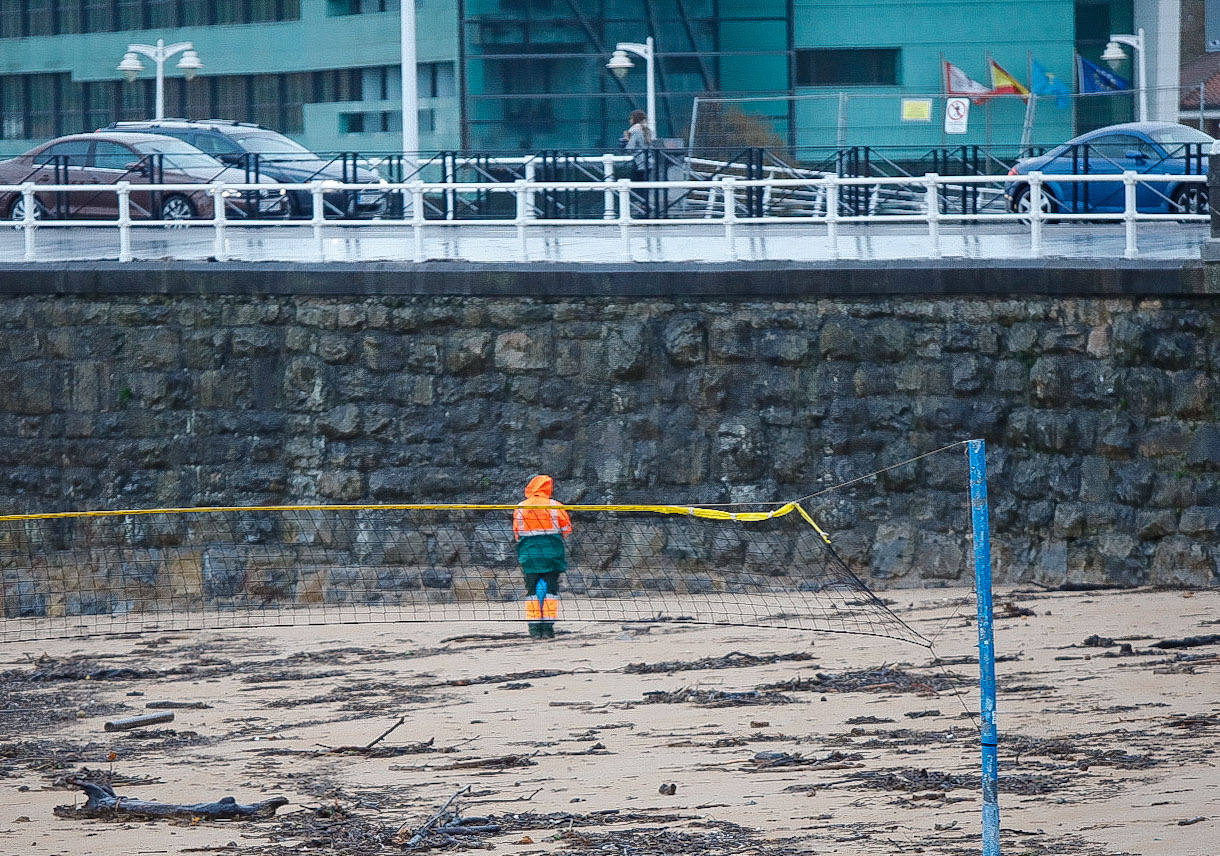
[
  {"x": 1044, "y": 83},
  {"x": 1094, "y": 78}
]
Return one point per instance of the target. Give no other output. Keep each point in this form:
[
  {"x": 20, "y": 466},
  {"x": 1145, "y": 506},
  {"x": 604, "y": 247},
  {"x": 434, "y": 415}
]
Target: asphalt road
[{"x": 586, "y": 243}]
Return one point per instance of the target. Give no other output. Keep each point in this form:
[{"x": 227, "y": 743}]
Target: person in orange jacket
[{"x": 540, "y": 524}]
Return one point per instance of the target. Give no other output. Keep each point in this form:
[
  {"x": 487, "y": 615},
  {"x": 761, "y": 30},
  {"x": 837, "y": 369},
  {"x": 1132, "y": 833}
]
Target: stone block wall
[{"x": 1100, "y": 416}]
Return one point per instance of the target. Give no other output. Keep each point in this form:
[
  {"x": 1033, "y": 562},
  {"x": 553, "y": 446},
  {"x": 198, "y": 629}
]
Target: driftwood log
[{"x": 104, "y": 803}]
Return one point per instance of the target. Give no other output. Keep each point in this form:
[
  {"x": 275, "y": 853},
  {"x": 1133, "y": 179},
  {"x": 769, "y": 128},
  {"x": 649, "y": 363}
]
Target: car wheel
[
  {"x": 175, "y": 208},
  {"x": 17, "y": 212},
  {"x": 1189, "y": 199},
  {"x": 1023, "y": 204}
]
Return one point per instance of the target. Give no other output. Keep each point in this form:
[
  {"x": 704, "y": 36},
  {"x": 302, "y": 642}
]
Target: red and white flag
[{"x": 957, "y": 82}]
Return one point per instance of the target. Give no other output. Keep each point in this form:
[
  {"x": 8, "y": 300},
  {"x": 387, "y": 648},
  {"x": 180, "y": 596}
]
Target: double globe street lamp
[
  {"x": 159, "y": 53},
  {"x": 620, "y": 64}
]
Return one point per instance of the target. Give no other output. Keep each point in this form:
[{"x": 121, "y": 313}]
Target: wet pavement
[{"x": 606, "y": 243}]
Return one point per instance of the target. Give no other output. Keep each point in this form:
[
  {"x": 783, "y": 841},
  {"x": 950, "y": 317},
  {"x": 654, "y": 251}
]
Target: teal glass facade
[{"x": 509, "y": 75}]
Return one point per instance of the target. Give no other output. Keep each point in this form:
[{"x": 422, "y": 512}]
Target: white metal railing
[{"x": 619, "y": 196}]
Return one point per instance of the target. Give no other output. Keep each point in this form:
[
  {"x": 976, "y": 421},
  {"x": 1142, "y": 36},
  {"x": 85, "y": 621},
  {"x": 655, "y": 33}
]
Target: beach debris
[
  {"x": 139, "y": 721},
  {"x": 1009, "y": 609},
  {"x": 104, "y": 803},
  {"x": 834, "y": 761},
  {"x": 409, "y": 839},
  {"x": 1096, "y": 641},
  {"x": 1188, "y": 641},
  {"x": 383, "y": 735},
  {"x": 177, "y": 705},
  {"x": 868, "y": 720},
  {"x": 920, "y": 714},
  {"x": 759, "y": 723},
  {"x": 715, "y": 698},
  {"x": 1191, "y": 820},
  {"x": 881, "y": 679},
  {"x": 501, "y": 762},
  {"x": 668, "y": 789},
  {"x": 731, "y": 660}
]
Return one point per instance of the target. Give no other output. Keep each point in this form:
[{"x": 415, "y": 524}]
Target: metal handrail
[{"x": 617, "y": 195}]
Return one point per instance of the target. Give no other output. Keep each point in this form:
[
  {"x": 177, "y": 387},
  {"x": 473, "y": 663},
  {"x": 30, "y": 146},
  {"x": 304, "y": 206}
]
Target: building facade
[{"x": 508, "y": 75}]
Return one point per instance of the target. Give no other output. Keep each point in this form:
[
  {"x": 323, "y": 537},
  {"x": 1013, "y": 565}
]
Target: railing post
[
  {"x": 317, "y": 217},
  {"x": 218, "y": 223},
  {"x": 1035, "y": 214},
  {"x": 1130, "y": 250},
  {"x": 624, "y": 205},
  {"x": 729, "y": 184},
  {"x": 522, "y": 192},
  {"x": 123, "y": 192},
  {"x": 832, "y": 212},
  {"x": 417, "y": 218},
  {"x": 27, "y": 218},
  {"x": 608, "y": 195},
  {"x": 932, "y": 206},
  {"x": 531, "y": 174},
  {"x": 450, "y": 193}
]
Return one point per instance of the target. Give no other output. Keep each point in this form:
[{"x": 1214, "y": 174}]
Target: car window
[
  {"x": 1179, "y": 134},
  {"x": 274, "y": 145},
  {"x": 111, "y": 155},
  {"x": 74, "y": 151},
  {"x": 1115, "y": 147},
  {"x": 179, "y": 155},
  {"x": 215, "y": 144}
]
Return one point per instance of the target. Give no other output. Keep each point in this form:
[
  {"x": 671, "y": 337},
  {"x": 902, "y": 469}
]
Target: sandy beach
[{"x": 776, "y": 741}]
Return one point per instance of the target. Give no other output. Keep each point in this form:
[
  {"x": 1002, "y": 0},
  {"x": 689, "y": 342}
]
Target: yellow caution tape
[{"x": 687, "y": 510}]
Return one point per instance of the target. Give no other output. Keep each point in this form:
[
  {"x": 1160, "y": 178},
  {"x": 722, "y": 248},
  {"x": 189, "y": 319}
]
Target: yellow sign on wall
[{"x": 917, "y": 109}]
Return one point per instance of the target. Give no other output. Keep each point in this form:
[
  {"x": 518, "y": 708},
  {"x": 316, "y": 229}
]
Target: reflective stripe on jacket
[{"x": 540, "y": 516}]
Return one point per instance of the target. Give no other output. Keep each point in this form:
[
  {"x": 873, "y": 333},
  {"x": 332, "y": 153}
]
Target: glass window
[
  {"x": 73, "y": 152},
  {"x": 266, "y": 143},
  {"x": 136, "y": 100},
  {"x": 216, "y": 144},
  {"x": 98, "y": 102},
  {"x": 12, "y": 19},
  {"x": 99, "y": 16},
  {"x": 43, "y": 101},
  {"x": 1179, "y": 134},
  {"x": 131, "y": 14},
  {"x": 162, "y": 13},
  {"x": 111, "y": 155},
  {"x": 194, "y": 12},
  {"x": 71, "y": 18},
  {"x": 179, "y": 154},
  {"x": 40, "y": 19},
  {"x": 296, "y": 93},
  {"x": 265, "y": 99},
  {"x": 12, "y": 108},
  {"x": 847, "y": 67},
  {"x": 232, "y": 99}
]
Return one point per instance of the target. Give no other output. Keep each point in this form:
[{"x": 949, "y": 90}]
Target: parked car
[
  {"x": 111, "y": 157},
  {"x": 260, "y": 152},
  {"x": 1162, "y": 148}
]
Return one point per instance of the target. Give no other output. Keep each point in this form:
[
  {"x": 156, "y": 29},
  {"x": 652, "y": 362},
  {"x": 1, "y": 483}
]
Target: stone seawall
[{"x": 1100, "y": 414}]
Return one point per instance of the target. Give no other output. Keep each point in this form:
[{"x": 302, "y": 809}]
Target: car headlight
[{"x": 229, "y": 194}]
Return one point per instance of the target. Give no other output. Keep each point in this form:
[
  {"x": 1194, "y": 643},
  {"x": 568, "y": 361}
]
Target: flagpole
[
  {"x": 1031, "y": 105},
  {"x": 987, "y": 111},
  {"x": 944, "y": 85}
]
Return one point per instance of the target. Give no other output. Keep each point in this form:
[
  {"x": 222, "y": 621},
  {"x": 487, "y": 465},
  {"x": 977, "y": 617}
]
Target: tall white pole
[
  {"x": 1143, "y": 75},
  {"x": 160, "y": 58},
  {"x": 650, "y": 66},
  {"x": 410, "y": 89}
]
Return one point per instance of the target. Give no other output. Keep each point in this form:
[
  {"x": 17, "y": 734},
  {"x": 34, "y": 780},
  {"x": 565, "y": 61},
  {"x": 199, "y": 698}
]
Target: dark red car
[{"x": 108, "y": 157}]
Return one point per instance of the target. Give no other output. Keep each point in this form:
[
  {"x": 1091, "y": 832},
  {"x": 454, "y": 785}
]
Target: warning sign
[{"x": 957, "y": 115}]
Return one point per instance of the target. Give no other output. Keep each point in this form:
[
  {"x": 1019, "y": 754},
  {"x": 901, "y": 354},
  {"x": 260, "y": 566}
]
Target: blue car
[{"x": 1162, "y": 148}]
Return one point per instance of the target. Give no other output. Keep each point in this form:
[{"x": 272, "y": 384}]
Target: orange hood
[{"x": 540, "y": 486}]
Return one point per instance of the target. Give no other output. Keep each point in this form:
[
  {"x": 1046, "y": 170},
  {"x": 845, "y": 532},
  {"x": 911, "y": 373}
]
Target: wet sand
[{"x": 777, "y": 741}]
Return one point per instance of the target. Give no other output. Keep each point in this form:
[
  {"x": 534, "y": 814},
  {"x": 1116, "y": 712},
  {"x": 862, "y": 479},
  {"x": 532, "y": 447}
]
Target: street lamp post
[
  {"x": 159, "y": 53},
  {"x": 1114, "y": 55},
  {"x": 410, "y": 88},
  {"x": 620, "y": 64}
]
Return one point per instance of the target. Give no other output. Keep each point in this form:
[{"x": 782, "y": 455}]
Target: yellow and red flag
[{"x": 1003, "y": 83}]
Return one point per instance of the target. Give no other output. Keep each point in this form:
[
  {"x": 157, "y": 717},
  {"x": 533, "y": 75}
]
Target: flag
[
  {"x": 1003, "y": 83},
  {"x": 957, "y": 82},
  {"x": 1094, "y": 78},
  {"x": 1044, "y": 83}
]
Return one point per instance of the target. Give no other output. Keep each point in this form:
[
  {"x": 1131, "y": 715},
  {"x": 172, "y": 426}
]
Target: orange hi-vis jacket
[{"x": 538, "y": 514}]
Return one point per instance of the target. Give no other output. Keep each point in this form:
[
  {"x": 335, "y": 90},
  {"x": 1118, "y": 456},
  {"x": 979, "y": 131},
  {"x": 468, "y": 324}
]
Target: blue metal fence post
[{"x": 976, "y": 452}]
